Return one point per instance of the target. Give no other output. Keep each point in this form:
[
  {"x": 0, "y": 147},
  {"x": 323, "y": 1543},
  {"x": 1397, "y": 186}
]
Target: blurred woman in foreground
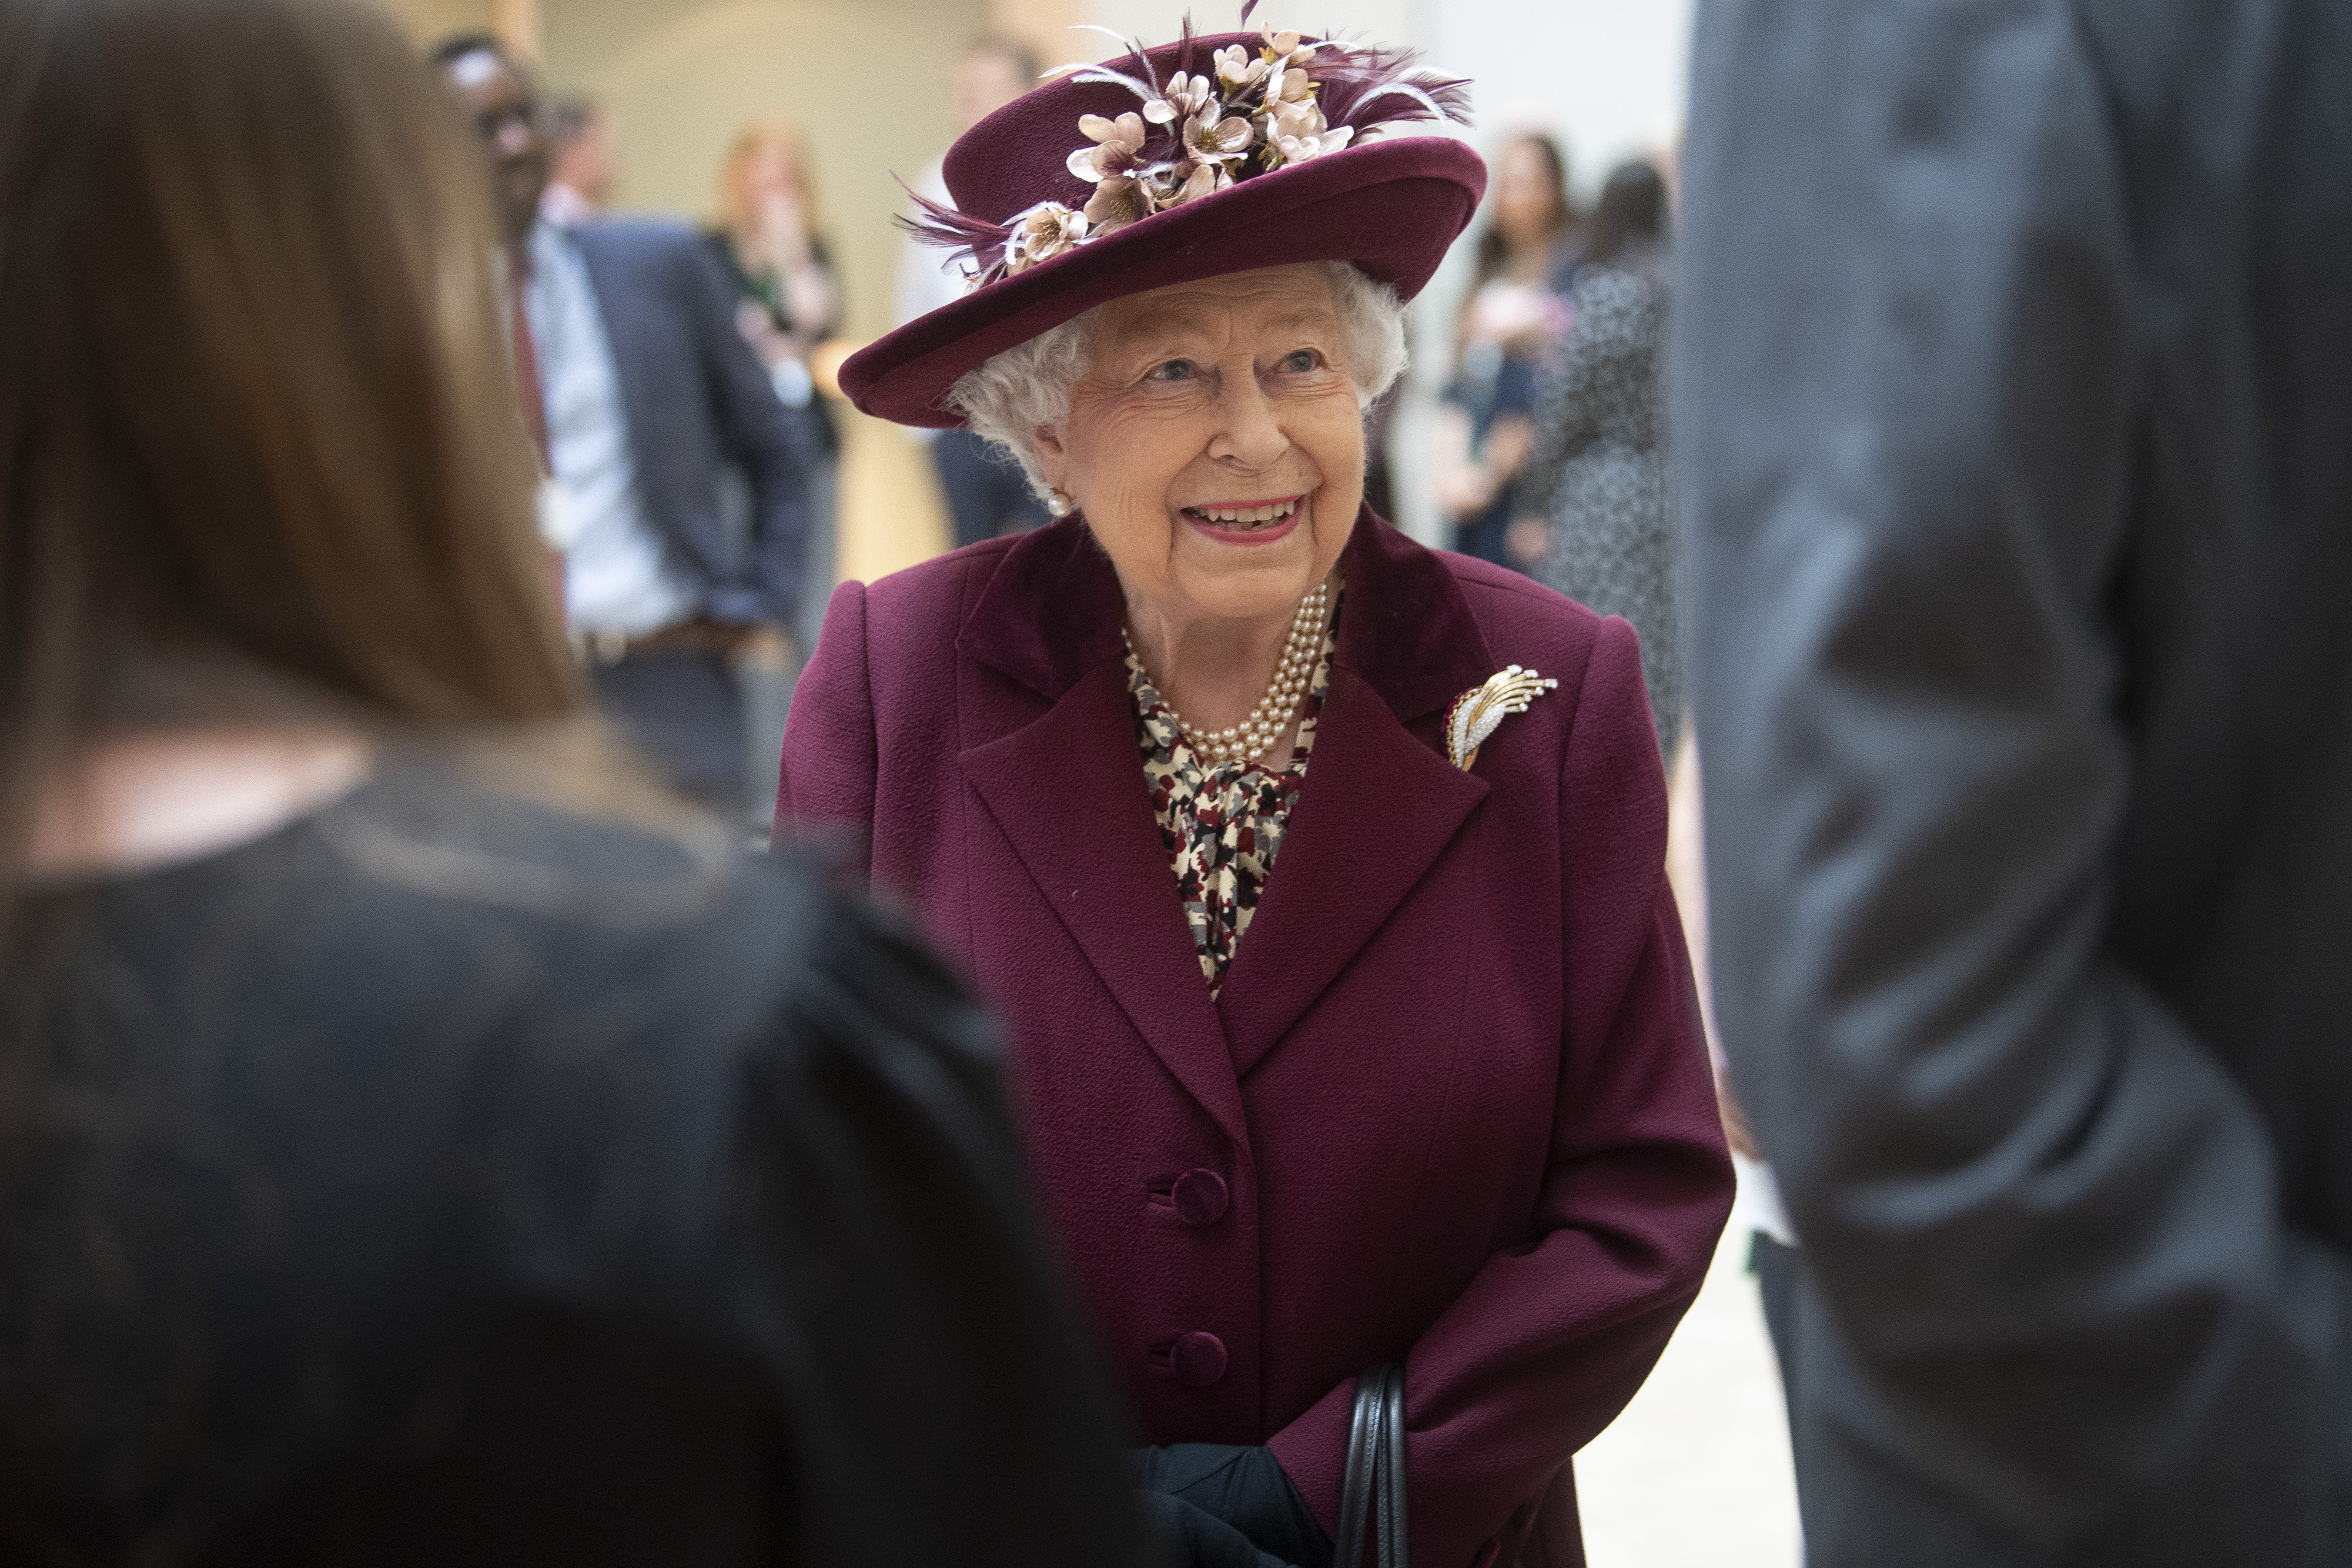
[{"x": 408, "y": 1157}]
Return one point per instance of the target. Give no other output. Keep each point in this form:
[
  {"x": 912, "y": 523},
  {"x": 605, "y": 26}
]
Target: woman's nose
[{"x": 1249, "y": 433}]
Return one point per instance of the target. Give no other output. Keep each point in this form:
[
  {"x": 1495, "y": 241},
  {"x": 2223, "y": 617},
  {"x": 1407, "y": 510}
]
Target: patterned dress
[
  {"x": 1222, "y": 826},
  {"x": 1599, "y": 470}
]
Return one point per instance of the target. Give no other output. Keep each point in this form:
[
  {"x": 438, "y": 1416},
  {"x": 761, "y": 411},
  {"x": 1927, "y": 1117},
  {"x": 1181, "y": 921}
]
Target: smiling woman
[
  {"x": 1446, "y": 1108},
  {"x": 1212, "y": 433}
]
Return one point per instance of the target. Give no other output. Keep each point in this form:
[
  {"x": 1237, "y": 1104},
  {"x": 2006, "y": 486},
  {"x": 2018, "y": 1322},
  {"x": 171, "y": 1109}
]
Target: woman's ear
[{"x": 1052, "y": 455}]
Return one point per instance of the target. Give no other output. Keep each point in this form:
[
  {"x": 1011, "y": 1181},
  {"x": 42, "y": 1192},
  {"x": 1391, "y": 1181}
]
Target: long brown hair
[
  {"x": 256, "y": 424},
  {"x": 1494, "y": 246},
  {"x": 750, "y": 142}
]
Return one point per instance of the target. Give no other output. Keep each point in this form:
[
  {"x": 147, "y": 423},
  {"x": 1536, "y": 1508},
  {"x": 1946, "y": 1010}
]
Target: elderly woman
[{"x": 1319, "y": 875}]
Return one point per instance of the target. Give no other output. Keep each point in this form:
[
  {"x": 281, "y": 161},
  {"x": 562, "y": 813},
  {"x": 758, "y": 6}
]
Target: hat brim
[{"x": 1392, "y": 207}]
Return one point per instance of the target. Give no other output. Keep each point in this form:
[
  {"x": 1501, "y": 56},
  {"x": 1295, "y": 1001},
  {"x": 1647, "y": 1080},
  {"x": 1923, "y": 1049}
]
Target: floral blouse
[{"x": 1220, "y": 826}]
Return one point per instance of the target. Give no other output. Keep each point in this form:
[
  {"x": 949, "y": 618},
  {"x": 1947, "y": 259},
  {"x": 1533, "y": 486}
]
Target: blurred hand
[
  {"x": 1508, "y": 441},
  {"x": 781, "y": 228},
  {"x": 1527, "y": 540},
  {"x": 759, "y": 330},
  {"x": 764, "y": 648},
  {"x": 1736, "y": 1130},
  {"x": 1466, "y": 491}
]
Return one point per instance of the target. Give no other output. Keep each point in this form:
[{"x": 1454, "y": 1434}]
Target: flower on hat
[
  {"x": 1284, "y": 49},
  {"x": 1117, "y": 202},
  {"x": 1209, "y": 140},
  {"x": 1237, "y": 67},
  {"x": 1117, "y": 147},
  {"x": 1312, "y": 145},
  {"x": 1200, "y": 132},
  {"x": 1186, "y": 97},
  {"x": 1041, "y": 234}
]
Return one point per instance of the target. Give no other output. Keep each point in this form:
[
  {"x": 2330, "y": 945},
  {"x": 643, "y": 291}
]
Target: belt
[{"x": 700, "y": 636}]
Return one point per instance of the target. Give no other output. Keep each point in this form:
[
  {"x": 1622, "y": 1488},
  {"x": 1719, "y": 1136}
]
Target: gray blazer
[
  {"x": 698, "y": 405},
  {"x": 2014, "y": 382}
]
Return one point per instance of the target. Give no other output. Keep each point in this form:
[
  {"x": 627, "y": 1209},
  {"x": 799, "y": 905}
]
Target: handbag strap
[
  {"x": 1390, "y": 1543},
  {"x": 1373, "y": 1483}
]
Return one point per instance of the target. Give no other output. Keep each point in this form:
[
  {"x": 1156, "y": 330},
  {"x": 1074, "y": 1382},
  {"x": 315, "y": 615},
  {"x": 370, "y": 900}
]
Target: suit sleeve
[
  {"x": 2046, "y": 1222},
  {"x": 826, "y": 788},
  {"x": 759, "y": 438},
  {"x": 1550, "y": 1340}
]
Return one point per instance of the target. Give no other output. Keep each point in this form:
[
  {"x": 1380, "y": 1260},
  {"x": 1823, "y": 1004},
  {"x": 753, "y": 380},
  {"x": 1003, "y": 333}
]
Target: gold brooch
[{"x": 1478, "y": 712}]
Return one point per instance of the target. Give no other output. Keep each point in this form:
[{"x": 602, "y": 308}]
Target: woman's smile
[{"x": 1247, "y": 522}]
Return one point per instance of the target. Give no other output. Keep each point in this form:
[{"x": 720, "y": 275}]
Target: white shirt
[{"x": 614, "y": 577}]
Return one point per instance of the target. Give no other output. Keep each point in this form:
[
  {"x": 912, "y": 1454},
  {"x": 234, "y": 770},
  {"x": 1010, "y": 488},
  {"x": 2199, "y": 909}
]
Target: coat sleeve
[
  {"x": 758, "y": 438},
  {"x": 824, "y": 791},
  {"x": 2046, "y": 1221},
  {"x": 1551, "y": 1339}
]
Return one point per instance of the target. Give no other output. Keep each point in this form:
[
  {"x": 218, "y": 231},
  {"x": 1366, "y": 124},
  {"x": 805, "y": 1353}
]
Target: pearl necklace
[{"x": 1254, "y": 736}]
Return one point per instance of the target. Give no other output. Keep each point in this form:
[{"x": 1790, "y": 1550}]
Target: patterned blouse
[{"x": 1220, "y": 826}]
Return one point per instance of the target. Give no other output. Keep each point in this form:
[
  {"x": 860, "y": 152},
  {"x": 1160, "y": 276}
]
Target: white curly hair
[{"x": 1029, "y": 384}]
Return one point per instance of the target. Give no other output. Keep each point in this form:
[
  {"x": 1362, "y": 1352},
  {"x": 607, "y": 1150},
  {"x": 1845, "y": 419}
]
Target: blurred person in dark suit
[
  {"x": 424, "y": 1143},
  {"x": 644, "y": 398},
  {"x": 583, "y": 162},
  {"x": 2016, "y": 434}
]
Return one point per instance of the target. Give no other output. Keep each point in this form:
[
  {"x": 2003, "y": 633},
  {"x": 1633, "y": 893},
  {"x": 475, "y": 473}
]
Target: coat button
[
  {"x": 1201, "y": 1197},
  {"x": 1198, "y": 1359}
]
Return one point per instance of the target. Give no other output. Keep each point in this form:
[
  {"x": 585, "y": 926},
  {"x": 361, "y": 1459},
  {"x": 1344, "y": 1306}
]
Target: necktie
[{"x": 527, "y": 390}]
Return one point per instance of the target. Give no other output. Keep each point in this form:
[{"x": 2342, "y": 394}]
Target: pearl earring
[{"x": 1059, "y": 504}]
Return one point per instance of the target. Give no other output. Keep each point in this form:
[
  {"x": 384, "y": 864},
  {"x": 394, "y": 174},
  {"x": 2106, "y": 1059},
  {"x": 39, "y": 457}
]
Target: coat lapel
[
  {"x": 1068, "y": 791},
  {"x": 1380, "y": 803}
]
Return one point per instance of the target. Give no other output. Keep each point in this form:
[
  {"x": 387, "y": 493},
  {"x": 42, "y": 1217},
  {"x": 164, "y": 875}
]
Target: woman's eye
[
  {"x": 1174, "y": 370},
  {"x": 1300, "y": 361}
]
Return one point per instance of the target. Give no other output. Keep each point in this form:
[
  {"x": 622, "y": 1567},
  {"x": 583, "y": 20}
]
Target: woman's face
[
  {"x": 1206, "y": 400},
  {"x": 771, "y": 170},
  {"x": 1524, "y": 197}
]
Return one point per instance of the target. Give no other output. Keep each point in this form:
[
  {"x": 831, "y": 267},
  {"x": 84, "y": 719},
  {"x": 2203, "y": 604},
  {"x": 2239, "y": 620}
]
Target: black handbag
[{"x": 1373, "y": 1482}]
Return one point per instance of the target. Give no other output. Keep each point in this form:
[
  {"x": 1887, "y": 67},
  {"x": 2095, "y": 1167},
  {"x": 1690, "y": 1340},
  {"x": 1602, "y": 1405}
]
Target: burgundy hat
[{"x": 1209, "y": 155}]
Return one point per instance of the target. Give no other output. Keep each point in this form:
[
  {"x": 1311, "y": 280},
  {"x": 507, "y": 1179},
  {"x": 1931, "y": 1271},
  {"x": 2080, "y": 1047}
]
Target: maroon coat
[{"x": 1452, "y": 1104}]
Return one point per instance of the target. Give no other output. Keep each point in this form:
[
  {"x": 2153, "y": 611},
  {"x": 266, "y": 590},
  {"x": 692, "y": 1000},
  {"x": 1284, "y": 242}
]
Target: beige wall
[{"x": 427, "y": 20}]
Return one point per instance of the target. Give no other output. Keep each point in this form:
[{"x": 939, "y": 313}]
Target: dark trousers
[
  {"x": 683, "y": 709},
  {"x": 987, "y": 493}
]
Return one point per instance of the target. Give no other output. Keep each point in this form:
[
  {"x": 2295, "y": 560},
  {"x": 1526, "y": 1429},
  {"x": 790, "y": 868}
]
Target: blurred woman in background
[
  {"x": 1596, "y": 517},
  {"x": 1513, "y": 315},
  {"x": 414, "y": 1154},
  {"x": 769, "y": 235}
]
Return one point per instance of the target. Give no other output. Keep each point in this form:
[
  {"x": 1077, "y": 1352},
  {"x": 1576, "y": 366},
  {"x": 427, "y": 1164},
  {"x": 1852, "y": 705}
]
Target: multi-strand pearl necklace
[{"x": 1254, "y": 736}]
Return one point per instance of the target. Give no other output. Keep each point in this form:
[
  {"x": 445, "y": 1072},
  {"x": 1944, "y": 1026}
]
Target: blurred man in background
[
  {"x": 2015, "y": 416},
  {"x": 584, "y": 162},
  {"x": 644, "y": 397},
  {"x": 986, "y": 493}
]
